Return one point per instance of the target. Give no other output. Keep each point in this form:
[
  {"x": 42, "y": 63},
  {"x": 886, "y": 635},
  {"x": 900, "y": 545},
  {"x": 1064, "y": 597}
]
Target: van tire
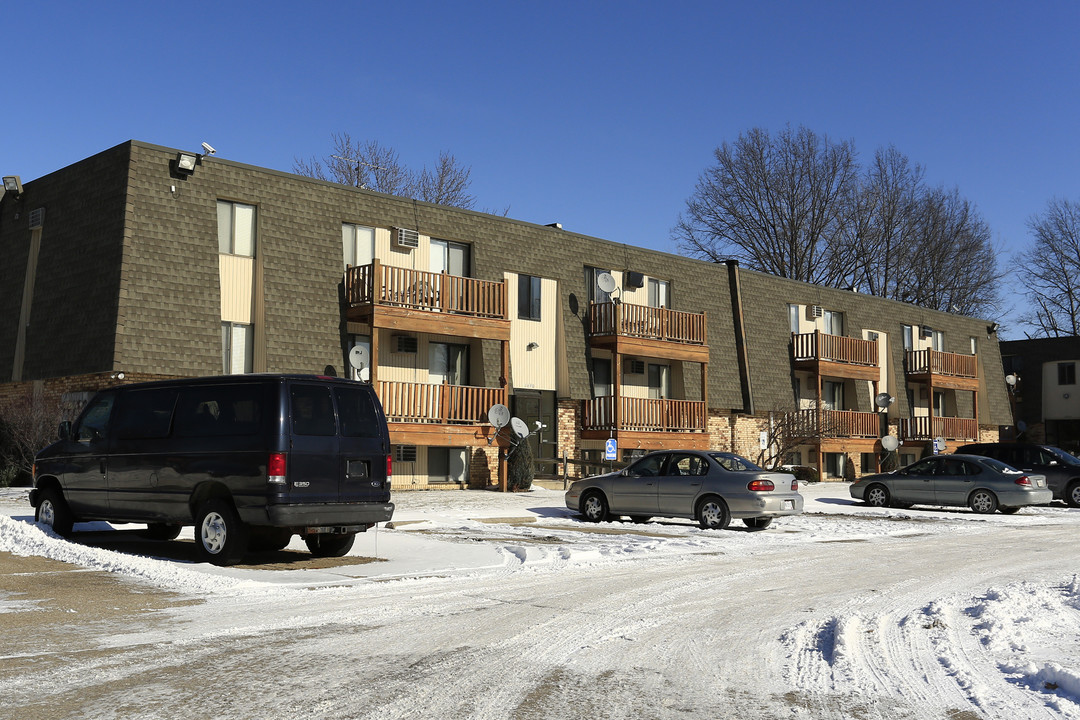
[
  {"x": 330, "y": 545},
  {"x": 221, "y": 538},
  {"x": 53, "y": 511}
]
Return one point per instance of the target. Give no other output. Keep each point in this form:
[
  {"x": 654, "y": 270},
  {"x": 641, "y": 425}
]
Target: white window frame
[
  {"x": 357, "y": 245},
  {"x": 237, "y": 228},
  {"x": 230, "y": 333}
]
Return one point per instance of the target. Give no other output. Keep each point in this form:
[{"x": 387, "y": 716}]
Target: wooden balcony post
[
  {"x": 376, "y": 281},
  {"x": 616, "y": 387}
]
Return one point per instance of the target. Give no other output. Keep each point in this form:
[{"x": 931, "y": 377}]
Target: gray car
[
  {"x": 710, "y": 487},
  {"x": 1061, "y": 469},
  {"x": 981, "y": 483}
]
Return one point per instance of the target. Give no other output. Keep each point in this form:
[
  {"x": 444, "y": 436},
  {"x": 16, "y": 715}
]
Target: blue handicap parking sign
[{"x": 611, "y": 449}]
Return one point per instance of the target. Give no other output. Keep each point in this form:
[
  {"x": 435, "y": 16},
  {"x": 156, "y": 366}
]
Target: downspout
[{"x": 739, "y": 324}]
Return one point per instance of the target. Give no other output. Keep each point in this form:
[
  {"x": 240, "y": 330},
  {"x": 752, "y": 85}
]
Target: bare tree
[
  {"x": 1050, "y": 271},
  {"x": 28, "y": 423},
  {"x": 775, "y": 203},
  {"x": 374, "y": 166}
]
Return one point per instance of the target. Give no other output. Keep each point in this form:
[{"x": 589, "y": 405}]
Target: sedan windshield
[{"x": 733, "y": 462}]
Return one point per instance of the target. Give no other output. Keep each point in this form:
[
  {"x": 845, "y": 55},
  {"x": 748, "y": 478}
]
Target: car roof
[{"x": 245, "y": 378}]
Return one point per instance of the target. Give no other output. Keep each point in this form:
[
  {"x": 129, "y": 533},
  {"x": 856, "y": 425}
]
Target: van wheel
[
  {"x": 53, "y": 512},
  {"x": 160, "y": 531},
  {"x": 220, "y": 536},
  {"x": 329, "y": 545}
]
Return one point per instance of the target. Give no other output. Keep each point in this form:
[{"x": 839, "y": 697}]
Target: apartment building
[{"x": 154, "y": 262}]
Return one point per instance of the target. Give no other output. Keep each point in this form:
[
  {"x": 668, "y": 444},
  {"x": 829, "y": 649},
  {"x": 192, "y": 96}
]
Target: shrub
[{"x": 27, "y": 424}]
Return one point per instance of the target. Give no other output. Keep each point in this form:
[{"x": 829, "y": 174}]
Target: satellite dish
[
  {"x": 890, "y": 443},
  {"x": 883, "y": 400},
  {"x": 1010, "y": 380},
  {"x": 605, "y": 282},
  {"x": 519, "y": 427},
  {"x": 499, "y": 416},
  {"x": 939, "y": 444},
  {"x": 358, "y": 357},
  {"x": 364, "y": 374}
]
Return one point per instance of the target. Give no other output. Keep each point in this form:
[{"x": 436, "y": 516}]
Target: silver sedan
[
  {"x": 981, "y": 483},
  {"x": 710, "y": 487}
]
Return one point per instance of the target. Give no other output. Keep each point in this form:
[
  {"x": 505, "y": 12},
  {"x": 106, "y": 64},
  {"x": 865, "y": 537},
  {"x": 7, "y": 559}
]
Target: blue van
[{"x": 249, "y": 460}]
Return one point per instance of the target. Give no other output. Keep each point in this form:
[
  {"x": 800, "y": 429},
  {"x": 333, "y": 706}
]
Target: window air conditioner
[
  {"x": 37, "y": 217},
  {"x": 405, "y": 238},
  {"x": 405, "y": 453},
  {"x": 815, "y": 311},
  {"x": 634, "y": 367}
]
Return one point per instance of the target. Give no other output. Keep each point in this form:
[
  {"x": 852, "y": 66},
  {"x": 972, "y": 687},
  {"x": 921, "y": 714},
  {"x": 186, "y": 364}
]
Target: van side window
[
  {"x": 312, "y": 411},
  {"x": 92, "y": 426},
  {"x": 220, "y": 410},
  {"x": 145, "y": 413},
  {"x": 358, "y": 416}
]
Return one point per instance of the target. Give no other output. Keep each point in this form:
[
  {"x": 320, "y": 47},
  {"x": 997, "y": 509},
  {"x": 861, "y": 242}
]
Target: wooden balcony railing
[
  {"x": 926, "y": 362},
  {"x": 447, "y": 404},
  {"x": 950, "y": 428},
  {"x": 834, "y": 424},
  {"x": 417, "y": 289},
  {"x": 645, "y": 414},
  {"x": 646, "y": 322},
  {"x": 834, "y": 348}
]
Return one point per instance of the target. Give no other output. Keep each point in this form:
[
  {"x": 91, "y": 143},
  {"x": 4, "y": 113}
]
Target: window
[
  {"x": 659, "y": 382},
  {"x": 358, "y": 244},
  {"x": 974, "y": 346},
  {"x": 446, "y": 465},
  {"x": 449, "y": 364},
  {"x": 312, "y": 411},
  {"x": 834, "y": 322},
  {"x": 358, "y": 416},
  {"x": 145, "y": 413},
  {"x": 938, "y": 340},
  {"x": 1066, "y": 373},
  {"x": 528, "y": 297},
  {"x": 793, "y": 458},
  {"x": 650, "y": 466},
  {"x": 832, "y": 395},
  {"x": 869, "y": 463},
  {"x": 688, "y": 465},
  {"x": 218, "y": 411},
  {"x": 596, "y": 295},
  {"x": 236, "y": 228},
  {"x": 659, "y": 292},
  {"x": 835, "y": 464},
  {"x": 733, "y": 462},
  {"x": 601, "y": 377},
  {"x": 793, "y": 317},
  {"x": 939, "y": 403},
  {"x": 237, "y": 348},
  {"x": 450, "y": 257},
  {"x": 95, "y": 419},
  {"x": 909, "y": 337}
]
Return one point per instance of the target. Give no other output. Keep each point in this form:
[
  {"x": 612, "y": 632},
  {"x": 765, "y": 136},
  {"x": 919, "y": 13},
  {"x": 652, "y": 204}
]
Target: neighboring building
[
  {"x": 1045, "y": 393},
  {"x": 127, "y": 261}
]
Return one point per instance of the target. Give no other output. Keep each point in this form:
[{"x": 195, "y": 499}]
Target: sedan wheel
[
  {"x": 877, "y": 496},
  {"x": 1072, "y": 495},
  {"x": 594, "y": 507},
  {"x": 983, "y": 502},
  {"x": 713, "y": 514}
]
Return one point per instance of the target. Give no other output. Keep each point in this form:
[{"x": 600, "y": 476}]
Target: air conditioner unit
[
  {"x": 37, "y": 217},
  {"x": 405, "y": 238},
  {"x": 634, "y": 367},
  {"x": 815, "y": 311},
  {"x": 405, "y": 453},
  {"x": 926, "y": 331},
  {"x": 405, "y": 344},
  {"x": 634, "y": 280}
]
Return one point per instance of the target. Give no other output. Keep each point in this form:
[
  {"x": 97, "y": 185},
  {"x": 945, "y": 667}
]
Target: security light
[
  {"x": 185, "y": 162},
  {"x": 13, "y": 185}
]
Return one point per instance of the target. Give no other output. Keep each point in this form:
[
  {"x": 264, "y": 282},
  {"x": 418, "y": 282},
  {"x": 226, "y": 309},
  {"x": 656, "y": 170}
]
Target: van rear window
[
  {"x": 357, "y": 412},
  {"x": 312, "y": 411},
  {"x": 219, "y": 410}
]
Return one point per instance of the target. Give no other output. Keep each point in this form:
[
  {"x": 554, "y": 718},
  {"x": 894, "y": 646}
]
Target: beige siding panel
[
  {"x": 237, "y": 284},
  {"x": 534, "y": 369}
]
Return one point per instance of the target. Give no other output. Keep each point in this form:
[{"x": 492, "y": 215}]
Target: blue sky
[{"x": 600, "y": 116}]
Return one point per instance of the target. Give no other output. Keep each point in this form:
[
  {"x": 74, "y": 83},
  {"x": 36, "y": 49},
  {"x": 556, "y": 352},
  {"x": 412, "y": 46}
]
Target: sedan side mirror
[{"x": 64, "y": 430}]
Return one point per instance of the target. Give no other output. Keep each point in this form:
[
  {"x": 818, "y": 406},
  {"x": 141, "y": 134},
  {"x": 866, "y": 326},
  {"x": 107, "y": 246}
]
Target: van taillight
[
  {"x": 275, "y": 469},
  {"x": 389, "y": 465},
  {"x": 761, "y": 485}
]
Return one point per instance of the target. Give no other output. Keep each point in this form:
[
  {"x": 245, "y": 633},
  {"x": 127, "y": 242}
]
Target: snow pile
[{"x": 21, "y": 538}]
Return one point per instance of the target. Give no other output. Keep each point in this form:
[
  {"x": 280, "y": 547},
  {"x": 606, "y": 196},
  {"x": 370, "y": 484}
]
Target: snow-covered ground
[{"x": 487, "y": 605}]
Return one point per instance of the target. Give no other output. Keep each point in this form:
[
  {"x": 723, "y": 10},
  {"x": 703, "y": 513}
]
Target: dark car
[
  {"x": 981, "y": 483},
  {"x": 710, "y": 487},
  {"x": 249, "y": 460},
  {"x": 1061, "y": 469}
]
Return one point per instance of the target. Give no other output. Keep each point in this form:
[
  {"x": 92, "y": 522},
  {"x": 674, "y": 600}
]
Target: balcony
[
  {"x": 942, "y": 369},
  {"x": 648, "y": 331},
  {"x": 645, "y": 423},
  {"x": 418, "y": 301},
  {"x": 835, "y": 355},
  {"x": 425, "y": 414},
  {"x": 834, "y": 424},
  {"x": 950, "y": 428}
]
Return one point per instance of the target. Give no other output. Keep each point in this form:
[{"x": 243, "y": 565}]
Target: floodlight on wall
[
  {"x": 532, "y": 346},
  {"x": 13, "y": 185},
  {"x": 186, "y": 162},
  {"x": 992, "y": 328}
]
